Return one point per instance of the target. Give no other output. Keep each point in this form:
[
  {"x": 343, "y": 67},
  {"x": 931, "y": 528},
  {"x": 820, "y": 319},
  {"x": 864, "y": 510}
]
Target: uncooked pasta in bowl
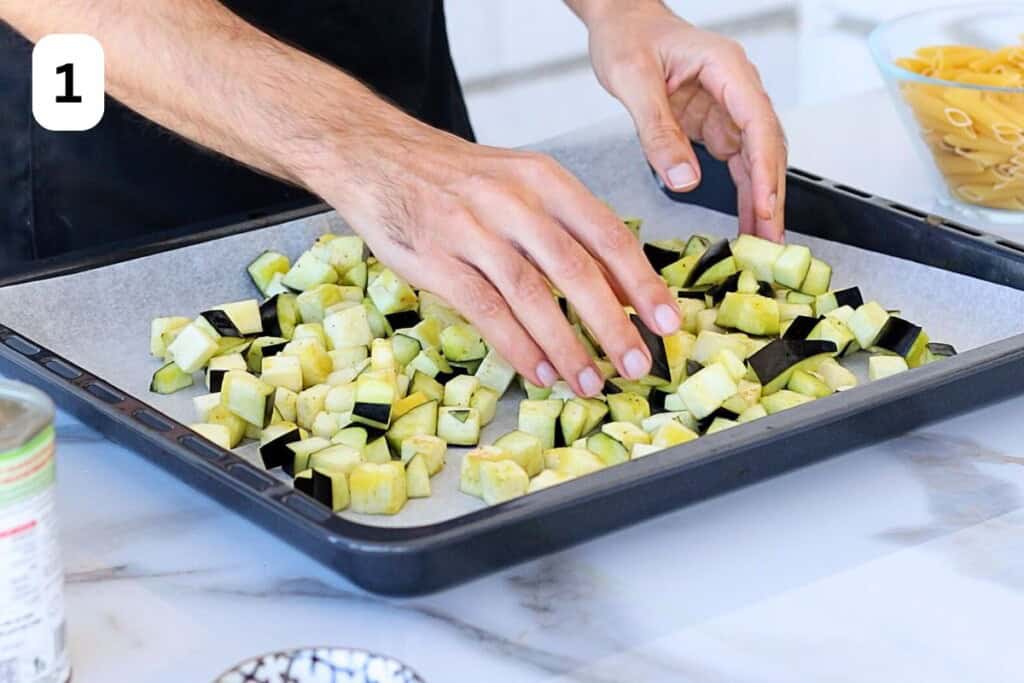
[{"x": 958, "y": 78}]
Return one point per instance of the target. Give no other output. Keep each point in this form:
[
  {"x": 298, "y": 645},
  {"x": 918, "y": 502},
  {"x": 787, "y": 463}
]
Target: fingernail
[
  {"x": 590, "y": 382},
  {"x": 681, "y": 177},
  {"x": 635, "y": 363},
  {"x": 667, "y": 318},
  {"x": 546, "y": 374}
]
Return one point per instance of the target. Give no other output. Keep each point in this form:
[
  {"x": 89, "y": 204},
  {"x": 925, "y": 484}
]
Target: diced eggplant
[
  {"x": 573, "y": 462},
  {"x": 377, "y": 450},
  {"x": 428, "y": 448},
  {"x": 204, "y": 404},
  {"x": 757, "y": 254},
  {"x": 459, "y": 426},
  {"x": 941, "y": 350},
  {"x": 417, "y": 479},
  {"x": 431, "y": 363},
  {"x": 783, "y": 400},
  {"x": 678, "y": 273},
  {"x": 263, "y": 347},
  {"x": 192, "y": 348},
  {"x": 349, "y": 327},
  {"x": 803, "y": 382},
  {"x": 800, "y": 298},
  {"x": 421, "y": 420},
  {"x": 169, "y": 379},
  {"x": 216, "y": 433},
  {"x": 539, "y": 418},
  {"x": 716, "y": 258},
  {"x": 835, "y": 375},
  {"x": 221, "y": 322},
  {"x": 829, "y": 301},
  {"x": 723, "y": 413},
  {"x": 403, "y": 319},
  {"x": 218, "y": 366},
  {"x": 546, "y": 479},
  {"x": 708, "y": 345},
  {"x": 628, "y": 407},
  {"x": 237, "y": 427},
  {"x": 754, "y": 412},
  {"x": 375, "y": 319},
  {"x": 469, "y": 474},
  {"x": 720, "y": 424},
  {"x": 502, "y": 480},
  {"x": 462, "y": 342},
  {"x": 316, "y": 365},
  {"x": 330, "y": 487},
  {"x": 374, "y": 397},
  {"x": 607, "y": 449},
  {"x": 774, "y": 364},
  {"x": 792, "y": 265},
  {"x": 391, "y": 294},
  {"x": 818, "y": 278},
  {"x": 788, "y": 311},
  {"x": 495, "y": 372},
  {"x": 833, "y": 330},
  {"x": 426, "y": 385},
  {"x": 301, "y": 451},
  {"x": 308, "y": 272},
  {"x": 336, "y": 458},
  {"x": 660, "y": 367},
  {"x": 309, "y": 403},
  {"x": 377, "y": 489},
  {"x": 904, "y": 339},
  {"x": 800, "y": 327},
  {"x": 867, "y": 323},
  {"x": 672, "y": 433},
  {"x": 880, "y": 367},
  {"x": 458, "y": 391},
  {"x": 485, "y": 401},
  {"x": 750, "y": 313},
  {"x": 162, "y": 331},
  {"x": 265, "y": 267},
  {"x": 274, "y": 442},
  {"x": 247, "y": 397},
  {"x": 353, "y": 437},
  {"x": 659, "y": 256},
  {"x": 279, "y": 315}
]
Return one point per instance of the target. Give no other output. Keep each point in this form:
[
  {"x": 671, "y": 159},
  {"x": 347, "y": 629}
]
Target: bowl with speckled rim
[{"x": 320, "y": 665}]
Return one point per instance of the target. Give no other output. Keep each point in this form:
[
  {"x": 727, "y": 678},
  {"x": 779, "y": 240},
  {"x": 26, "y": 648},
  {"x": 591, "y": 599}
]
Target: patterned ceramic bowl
[{"x": 320, "y": 665}]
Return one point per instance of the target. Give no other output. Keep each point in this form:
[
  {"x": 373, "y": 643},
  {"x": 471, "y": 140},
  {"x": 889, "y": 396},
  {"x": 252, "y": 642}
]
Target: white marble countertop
[{"x": 897, "y": 562}]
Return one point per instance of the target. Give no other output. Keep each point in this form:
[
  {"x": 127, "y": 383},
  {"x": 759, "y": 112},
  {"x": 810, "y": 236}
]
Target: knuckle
[
  {"x": 616, "y": 239},
  {"x": 480, "y": 299},
  {"x": 530, "y": 287},
  {"x": 575, "y": 264},
  {"x": 661, "y": 134}
]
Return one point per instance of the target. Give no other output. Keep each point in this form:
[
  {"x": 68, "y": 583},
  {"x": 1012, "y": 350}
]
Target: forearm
[
  {"x": 590, "y": 11},
  {"x": 198, "y": 69}
]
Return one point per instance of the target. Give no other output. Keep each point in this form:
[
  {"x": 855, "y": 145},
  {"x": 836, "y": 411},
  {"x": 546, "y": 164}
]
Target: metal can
[{"x": 32, "y": 627}]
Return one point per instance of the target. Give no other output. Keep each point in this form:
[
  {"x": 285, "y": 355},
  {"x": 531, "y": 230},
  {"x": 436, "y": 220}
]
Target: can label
[{"x": 32, "y": 627}]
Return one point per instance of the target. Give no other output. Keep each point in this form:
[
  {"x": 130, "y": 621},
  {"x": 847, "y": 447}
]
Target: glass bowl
[{"x": 964, "y": 107}]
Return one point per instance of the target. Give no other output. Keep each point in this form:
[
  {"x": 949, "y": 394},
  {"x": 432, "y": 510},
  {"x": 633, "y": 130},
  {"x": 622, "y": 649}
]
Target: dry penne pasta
[{"x": 976, "y": 135}]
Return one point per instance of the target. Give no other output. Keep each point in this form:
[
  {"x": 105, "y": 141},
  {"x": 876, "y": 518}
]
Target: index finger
[
  {"x": 732, "y": 81},
  {"x": 616, "y": 248}
]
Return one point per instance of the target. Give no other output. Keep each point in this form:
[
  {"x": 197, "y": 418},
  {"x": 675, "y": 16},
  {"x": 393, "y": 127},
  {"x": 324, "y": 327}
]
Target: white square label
[{"x": 67, "y": 82}]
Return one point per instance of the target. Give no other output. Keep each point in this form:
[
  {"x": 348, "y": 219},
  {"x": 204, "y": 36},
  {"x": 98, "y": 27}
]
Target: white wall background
[{"x": 525, "y": 70}]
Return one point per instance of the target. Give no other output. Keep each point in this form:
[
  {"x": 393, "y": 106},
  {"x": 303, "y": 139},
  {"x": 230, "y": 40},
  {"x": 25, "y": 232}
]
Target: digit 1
[{"x": 68, "y": 71}]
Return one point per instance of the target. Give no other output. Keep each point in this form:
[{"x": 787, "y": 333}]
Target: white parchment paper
[{"x": 100, "y": 319}]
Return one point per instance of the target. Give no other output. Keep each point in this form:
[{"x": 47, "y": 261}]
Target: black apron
[{"x": 129, "y": 180}]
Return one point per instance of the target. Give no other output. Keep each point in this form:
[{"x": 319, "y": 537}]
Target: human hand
[
  {"x": 681, "y": 83},
  {"x": 486, "y": 229}
]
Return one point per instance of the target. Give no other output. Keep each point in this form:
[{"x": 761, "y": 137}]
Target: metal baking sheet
[{"x": 100, "y": 318}]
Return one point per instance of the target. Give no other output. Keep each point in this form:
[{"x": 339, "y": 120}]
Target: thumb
[{"x": 667, "y": 148}]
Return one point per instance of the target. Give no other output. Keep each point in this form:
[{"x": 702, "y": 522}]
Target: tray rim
[{"x": 348, "y": 539}]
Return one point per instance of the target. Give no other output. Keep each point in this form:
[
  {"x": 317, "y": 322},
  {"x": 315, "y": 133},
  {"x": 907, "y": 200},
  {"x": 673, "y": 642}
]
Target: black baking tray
[{"x": 416, "y": 560}]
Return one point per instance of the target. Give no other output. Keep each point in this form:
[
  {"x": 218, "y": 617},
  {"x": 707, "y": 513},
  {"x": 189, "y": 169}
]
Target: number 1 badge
[{"x": 68, "y": 82}]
